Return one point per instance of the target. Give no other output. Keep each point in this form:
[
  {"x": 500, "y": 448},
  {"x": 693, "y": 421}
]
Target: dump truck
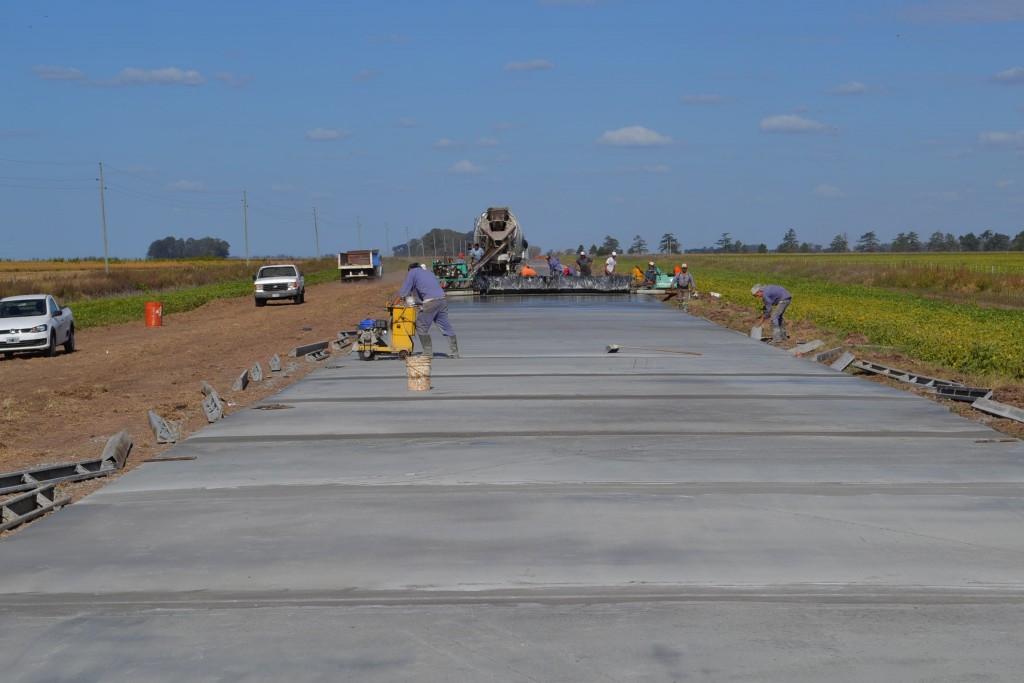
[{"x": 364, "y": 263}]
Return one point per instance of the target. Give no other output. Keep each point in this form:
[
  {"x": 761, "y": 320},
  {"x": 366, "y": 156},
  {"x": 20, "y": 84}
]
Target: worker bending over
[
  {"x": 426, "y": 289},
  {"x": 776, "y": 299}
]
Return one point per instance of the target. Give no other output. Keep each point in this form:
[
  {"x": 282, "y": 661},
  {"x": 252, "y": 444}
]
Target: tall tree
[
  {"x": 869, "y": 242},
  {"x": 668, "y": 244},
  {"x": 724, "y": 243},
  {"x": 609, "y": 245},
  {"x": 839, "y": 244},
  {"x": 790, "y": 244},
  {"x": 969, "y": 242},
  {"x": 1018, "y": 242},
  {"x": 937, "y": 242},
  {"x": 639, "y": 246}
]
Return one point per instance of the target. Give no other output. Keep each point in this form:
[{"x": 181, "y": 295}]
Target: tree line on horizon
[{"x": 869, "y": 242}]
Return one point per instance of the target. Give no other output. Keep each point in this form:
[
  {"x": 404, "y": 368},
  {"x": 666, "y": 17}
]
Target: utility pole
[
  {"x": 316, "y": 231},
  {"x": 408, "y": 243},
  {"x": 434, "y": 236},
  {"x": 245, "y": 224},
  {"x": 103, "y": 214},
  {"x": 359, "y": 234},
  {"x": 387, "y": 240}
]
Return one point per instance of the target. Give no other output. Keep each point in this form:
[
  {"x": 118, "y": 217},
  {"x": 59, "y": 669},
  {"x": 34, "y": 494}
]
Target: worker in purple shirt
[
  {"x": 555, "y": 265},
  {"x": 425, "y": 287},
  {"x": 776, "y": 299}
]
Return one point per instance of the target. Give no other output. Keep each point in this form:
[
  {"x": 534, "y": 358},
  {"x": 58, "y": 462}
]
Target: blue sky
[{"x": 586, "y": 118}]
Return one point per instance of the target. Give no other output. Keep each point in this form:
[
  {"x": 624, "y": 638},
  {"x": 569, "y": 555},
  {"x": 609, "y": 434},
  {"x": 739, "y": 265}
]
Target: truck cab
[{"x": 279, "y": 281}]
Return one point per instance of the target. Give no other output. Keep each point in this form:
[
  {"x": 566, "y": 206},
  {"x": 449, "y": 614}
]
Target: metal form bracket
[
  {"x": 799, "y": 351},
  {"x": 275, "y": 363},
  {"x": 903, "y": 376},
  {"x": 307, "y": 349},
  {"x": 213, "y": 406},
  {"x": 322, "y": 354},
  {"x": 843, "y": 361},
  {"x": 162, "y": 429},
  {"x": 257, "y": 372},
  {"x": 28, "y": 506},
  {"x": 1000, "y": 409},
  {"x": 827, "y": 356},
  {"x": 242, "y": 382},
  {"x": 968, "y": 394},
  {"x": 114, "y": 456}
]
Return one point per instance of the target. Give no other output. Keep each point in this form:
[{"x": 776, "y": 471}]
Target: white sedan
[{"x": 34, "y": 323}]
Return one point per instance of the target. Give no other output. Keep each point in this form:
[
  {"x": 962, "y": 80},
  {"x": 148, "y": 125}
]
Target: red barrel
[{"x": 154, "y": 314}]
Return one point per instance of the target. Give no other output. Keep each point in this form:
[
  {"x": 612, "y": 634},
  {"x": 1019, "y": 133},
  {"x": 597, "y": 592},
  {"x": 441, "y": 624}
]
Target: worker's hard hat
[
  {"x": 650, "y": 263},
  {"x": 583, "y": 253},
  {"x": 613, "y": 253},
  {"x": 755, "y": 289},
  {"x": 684, "y": 265}
]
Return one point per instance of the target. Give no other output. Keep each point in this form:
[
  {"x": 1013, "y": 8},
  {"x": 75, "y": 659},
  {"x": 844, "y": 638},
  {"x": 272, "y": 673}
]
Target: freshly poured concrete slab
[{"x": 547, "y": 511}]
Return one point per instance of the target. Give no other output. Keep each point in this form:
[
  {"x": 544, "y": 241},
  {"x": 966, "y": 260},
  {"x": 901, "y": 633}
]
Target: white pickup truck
[
  {"x": 35, "y": 323},
  {"x": 281, "y": 281}
]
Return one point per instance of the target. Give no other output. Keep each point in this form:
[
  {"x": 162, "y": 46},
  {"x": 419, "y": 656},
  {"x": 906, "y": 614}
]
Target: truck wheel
[
  {"x": 366, "y": 354},
  {"x": 300, "y": 298},
  {"x": 403, "y": 354},
  {"x": 261, "y": 302},
  {"x": 51, "y": 350},
  {"x": 69, "y": 344}
]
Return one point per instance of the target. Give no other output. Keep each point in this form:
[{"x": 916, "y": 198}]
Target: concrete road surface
[{"x": 546, "y": 512}]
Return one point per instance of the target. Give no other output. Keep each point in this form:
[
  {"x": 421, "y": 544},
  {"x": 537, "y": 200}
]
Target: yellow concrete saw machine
[{"x": 392, "y": 337}]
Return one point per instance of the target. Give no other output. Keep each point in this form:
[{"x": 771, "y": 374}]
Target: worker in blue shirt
[
  {"x": 776, "y": 299},
  {"x": 683, "y": 283},
  {"x": 425, "y": 287},
  {"x": 555, "y": 265}
]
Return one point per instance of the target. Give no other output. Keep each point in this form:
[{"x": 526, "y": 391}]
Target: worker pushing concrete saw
[{"x": 426, "y": 290}]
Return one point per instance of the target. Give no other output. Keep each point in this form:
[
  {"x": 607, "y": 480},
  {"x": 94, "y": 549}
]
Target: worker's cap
[
  {"x": 755, "y": 289},
  {"x": 614, "y": 254},
  {"x": 413, "y": 265},
  {"x": 684, "y": 266},
  {"x": 583, "y": 253}
]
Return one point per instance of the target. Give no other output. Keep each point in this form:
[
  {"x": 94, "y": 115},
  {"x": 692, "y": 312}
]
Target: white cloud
[
  {"x": 633, "y": 136},
  {"x": 187, "y": 185},
  {"x": 327, "y": 134},
  {"x": 705, "y": 98},
  {"x": 232, "y": 80},
  {"x": 486, "y": 142},
  {"x": 1006, "y": 140},
  {"x": 366, "y": 75},
  {"x": 1014, "y": 76},
  {"x": 535, "y": 65},
  {"x": 167, "y": 76},
  {"x": 445, "y": 143},
  {"x": 829, "y": 191},
  {"x": 466, "y": 166},
  {"x": 406, "y": 122},
  {"x": 58, "y": 73},
  {"x": 851, "y": 88},
  {"x": 1003, "y": 184},
  {"x": 791, "y": 123},
  {"x": 448, "y": 143}
]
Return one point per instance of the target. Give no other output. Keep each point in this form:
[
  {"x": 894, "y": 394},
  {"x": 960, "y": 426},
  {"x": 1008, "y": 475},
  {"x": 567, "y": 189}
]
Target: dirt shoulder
[{"x": 63, "y": 409}]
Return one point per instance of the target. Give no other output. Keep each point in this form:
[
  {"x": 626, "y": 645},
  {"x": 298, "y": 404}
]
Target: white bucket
[
  {"x": 756, "y": 333},
  {"x": 417, "y": 371}
]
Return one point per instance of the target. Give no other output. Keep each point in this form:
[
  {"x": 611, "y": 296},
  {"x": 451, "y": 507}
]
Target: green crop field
[{"x": 963, "y": 311}]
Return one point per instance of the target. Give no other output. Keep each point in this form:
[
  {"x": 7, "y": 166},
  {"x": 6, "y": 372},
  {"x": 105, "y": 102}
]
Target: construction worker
[
  {"x": 776, "y": 299},
  {"x": 584, "y": 263},
  {"x": 425, "y": 287},
  {"x": 554, "y": 264},
  {"x": 527, "y": 271},
  {"x": 650, "y": 275},
  {"x": 475, "y": 254},
  {"x": 683, "y": 282},
  {"x": 609, "y": 265}
]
